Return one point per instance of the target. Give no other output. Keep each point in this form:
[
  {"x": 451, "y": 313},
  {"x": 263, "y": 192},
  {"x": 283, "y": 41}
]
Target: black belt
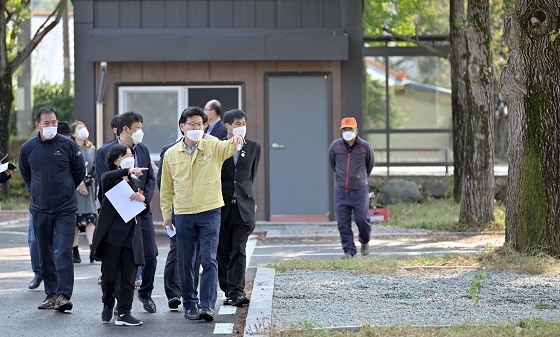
[{"x": 234, "y": 201}]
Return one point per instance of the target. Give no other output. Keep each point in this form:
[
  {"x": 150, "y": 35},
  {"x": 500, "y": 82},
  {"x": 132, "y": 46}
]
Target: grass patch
[
  {"x": 524, "y": 328},
  {"x": 546, "y": 306},
  {"x": 437, "y": 214},
  {"x": 377, "y": 264},
  {"x": 502, "y": 259},
  {"x": 505, "y": 258}
]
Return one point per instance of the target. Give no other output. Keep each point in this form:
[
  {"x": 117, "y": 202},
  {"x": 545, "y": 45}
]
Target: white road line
[
  {"x": 227, "y": 310},
  {"x": 13, "y": 233},
  {"x": 9, "y": 222},
  {"x": 223, "y": 329},
  {"x": 334, "y": 245}
]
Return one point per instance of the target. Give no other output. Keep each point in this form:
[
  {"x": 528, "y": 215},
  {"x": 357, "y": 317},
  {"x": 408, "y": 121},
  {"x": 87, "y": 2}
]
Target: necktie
[{"x": 235, "y": 157}]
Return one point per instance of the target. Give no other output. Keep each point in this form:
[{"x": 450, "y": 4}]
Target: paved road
[
  {"x": 20, "y": 317},
  {"x": 321, "y": 242}
]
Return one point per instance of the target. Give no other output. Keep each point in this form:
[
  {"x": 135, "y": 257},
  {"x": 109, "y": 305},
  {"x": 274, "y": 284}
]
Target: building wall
[
  {"x": 194, "y": 14},
  {"x": 251, "y": 74}
]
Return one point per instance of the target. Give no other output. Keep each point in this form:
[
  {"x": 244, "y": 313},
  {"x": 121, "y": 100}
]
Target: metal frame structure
[{"x": 440, "y": 43}]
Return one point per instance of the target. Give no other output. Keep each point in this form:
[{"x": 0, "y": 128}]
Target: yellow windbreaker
[{"x": 193, "y": 184}]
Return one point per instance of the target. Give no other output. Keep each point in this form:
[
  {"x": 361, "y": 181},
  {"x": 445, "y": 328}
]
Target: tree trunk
[
  {"x": 477, "y": 194},
  {"x": 6, "y": 99},
  {"x": 458, "y": 59},
  {"x": 531, "y": 89}
]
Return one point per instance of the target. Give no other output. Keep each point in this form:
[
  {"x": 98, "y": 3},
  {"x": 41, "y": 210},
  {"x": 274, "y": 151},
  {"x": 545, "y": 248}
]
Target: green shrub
[{"x": 52, "y": 94}]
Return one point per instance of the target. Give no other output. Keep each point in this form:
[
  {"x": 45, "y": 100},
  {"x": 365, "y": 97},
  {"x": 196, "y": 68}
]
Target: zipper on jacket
[
  {"x": 48, "y": 172},
  {"x": 348, "y": 164}
]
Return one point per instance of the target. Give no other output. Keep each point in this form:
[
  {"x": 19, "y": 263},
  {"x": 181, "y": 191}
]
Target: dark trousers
[
  {"x": 234, "y": 233},
  {"x": 118, "y": 266},
  {"x": 57, "y": 270},
  {"x": 344, "y": 204},
  {"x": 150, "y": 257},
  {"x": 171, "y": 282},
  {"x": 192, "y": 229},
  {"x": 33, "y": 249}
]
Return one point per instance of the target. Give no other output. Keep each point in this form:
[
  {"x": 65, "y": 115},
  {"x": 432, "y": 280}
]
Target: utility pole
[
  {"x": 66, "y": 48},
  {"x": 24, "y": 86}
]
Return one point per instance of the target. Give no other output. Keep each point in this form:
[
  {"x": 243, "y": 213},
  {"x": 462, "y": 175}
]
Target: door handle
[{"x": 277, "y": 146}]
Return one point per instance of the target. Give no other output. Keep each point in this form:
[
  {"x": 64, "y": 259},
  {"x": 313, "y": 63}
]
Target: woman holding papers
[{"x": 118, "y": 243}]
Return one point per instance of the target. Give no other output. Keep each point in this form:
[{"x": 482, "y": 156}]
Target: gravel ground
[{"x": 343, "y": 299}]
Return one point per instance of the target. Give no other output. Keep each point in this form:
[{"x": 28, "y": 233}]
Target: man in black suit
[
  {"x": 129, "y": 132},
  {"x": 216, "y": 128},
  {"x": 238, "y": 213}
]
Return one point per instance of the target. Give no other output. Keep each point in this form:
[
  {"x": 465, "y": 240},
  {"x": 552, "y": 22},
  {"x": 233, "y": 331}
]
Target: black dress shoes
[
  {"x": 239, "y": 301},
  {"x": 148, "y": 304},
  {"x": 193, "y": 314},
  {"x": 207, "y": 314},
  {"x": 35, "y": 283},
  {"x": 174, "y": 303}
]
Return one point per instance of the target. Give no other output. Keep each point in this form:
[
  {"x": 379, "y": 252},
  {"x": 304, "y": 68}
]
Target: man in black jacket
[
  {"x": 130, "y": 132},
  {"x": 52, "y": 167},
  {"x": 352, "y": 160},
  {"x": 238, "y": 213},
  {"x": 216, "y": 128}
]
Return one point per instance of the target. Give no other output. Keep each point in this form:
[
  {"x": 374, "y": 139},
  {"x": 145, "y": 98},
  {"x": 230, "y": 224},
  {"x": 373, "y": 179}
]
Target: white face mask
[
  {"x": 82, "y": 134},
  {"x": 49, "y": 132},
  {"x": 195, "y": 135},
  {"x": 239, "y": 131},
  {"x": 348, "y": 135},
  {"x": 137, "y": 136},
  {"x": 127, "y": 163}
]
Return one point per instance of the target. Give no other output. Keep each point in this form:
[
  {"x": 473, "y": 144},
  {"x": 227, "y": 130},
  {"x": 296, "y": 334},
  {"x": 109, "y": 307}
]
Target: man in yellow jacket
[{"x": 191, "y": 184}]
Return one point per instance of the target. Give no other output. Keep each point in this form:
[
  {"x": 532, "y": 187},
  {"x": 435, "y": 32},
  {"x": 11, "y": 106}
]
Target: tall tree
[
  {"x": 12, "y": 55},
  {"x": 477, "y": 192},
  {"x": 531, "y": 90},
  {"x": 458, "y": 59},
  {"x": 472, "y": 86}
]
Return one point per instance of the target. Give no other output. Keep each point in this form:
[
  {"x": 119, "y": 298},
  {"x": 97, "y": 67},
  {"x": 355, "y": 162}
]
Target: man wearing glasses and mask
[{"x": 191, "y": 184}]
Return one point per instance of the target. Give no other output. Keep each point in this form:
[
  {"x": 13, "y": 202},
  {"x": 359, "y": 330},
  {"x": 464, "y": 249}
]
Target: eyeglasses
[{"x": 192, "y": 125}]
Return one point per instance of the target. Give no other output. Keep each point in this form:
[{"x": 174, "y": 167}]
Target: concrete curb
[{"x": 259, "y": 315}]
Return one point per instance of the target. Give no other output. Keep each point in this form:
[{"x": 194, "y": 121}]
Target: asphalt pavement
[{"x": 21, "y": 317}]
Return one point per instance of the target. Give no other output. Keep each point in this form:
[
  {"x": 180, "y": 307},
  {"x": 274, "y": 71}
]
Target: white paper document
[
  {"x": 3, "y": 167},
  {"x": 119, "y": 196},
  {"x": 169, "y": 231}
]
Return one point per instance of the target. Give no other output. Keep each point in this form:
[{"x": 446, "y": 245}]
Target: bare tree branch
[
  {"x": 40, "y": 34},
  {"x": 417, "y": 42}
]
